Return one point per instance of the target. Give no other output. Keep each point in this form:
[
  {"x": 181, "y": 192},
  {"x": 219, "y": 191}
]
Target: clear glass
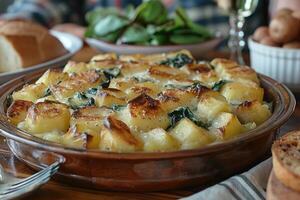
[{"x": 238, "y": 10}]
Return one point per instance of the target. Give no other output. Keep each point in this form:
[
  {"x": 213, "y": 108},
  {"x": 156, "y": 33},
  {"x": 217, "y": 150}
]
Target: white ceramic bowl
[{"x": 281, "y": 64}]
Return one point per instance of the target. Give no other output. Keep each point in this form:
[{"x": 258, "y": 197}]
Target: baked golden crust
[{"x": 161, "y": 102}]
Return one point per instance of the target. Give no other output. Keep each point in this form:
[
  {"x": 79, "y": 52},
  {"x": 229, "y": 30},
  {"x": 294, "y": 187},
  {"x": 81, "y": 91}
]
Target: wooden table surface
[{"x": 55, "y": 190}]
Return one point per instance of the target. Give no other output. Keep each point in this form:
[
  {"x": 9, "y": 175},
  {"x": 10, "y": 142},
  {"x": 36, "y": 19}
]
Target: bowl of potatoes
[
  {"x": 133, "y": 122},
  {"x": 275, "y": 49}
]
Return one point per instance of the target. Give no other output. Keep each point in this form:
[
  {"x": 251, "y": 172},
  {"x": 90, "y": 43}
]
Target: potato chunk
[
  {"x": 17, "y": 111},
  {"x": 117, "y": 137},
  {"x": 236, "y": 92},
  {"x": 253, "y": 111},
  {"x": 74, "y": 67},
  {"x": 30, "y": 92},
  {"x": 81, "y": 138},
  {"x": 149, "y": 88},
  {"x": 210, "y": 106},
  {"x": 226, "y": 126},
  {"x": 190, "y": 135},
  {"x": 158, "y": 140},
  {"x": 89, "y": 118},
  {"x": 144, "y": 114},
  {"x": 110, "y": 96},
  {"x": 52, "y": 76},
  {"x": 46, "y": 117}
]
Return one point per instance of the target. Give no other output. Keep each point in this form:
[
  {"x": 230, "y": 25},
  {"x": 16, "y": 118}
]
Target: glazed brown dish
[{"x": 150, "y": 171}]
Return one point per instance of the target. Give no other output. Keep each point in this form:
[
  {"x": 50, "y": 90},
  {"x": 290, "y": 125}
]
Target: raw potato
[
  {"x": 292, "y": 45},
  {"x": 260, "y": 33},
  {"x": 268, "y": 41},
  {"x": 284, "y": 28},
  {"x": 283, "y": 11}
]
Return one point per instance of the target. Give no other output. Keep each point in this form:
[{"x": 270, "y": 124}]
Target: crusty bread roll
[
  {"x": 23, "y": 44},
  {"x": 286, "y": 160}
]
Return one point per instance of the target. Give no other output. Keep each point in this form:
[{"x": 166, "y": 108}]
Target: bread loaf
[
  {"x": 23, "y": 44},
  {"x": 286, "y": 160}
]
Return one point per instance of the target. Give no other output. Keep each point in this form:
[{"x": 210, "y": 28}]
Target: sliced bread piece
[
  {"x": 17, "y": 52},
  {"x": 286, "y": 160}
]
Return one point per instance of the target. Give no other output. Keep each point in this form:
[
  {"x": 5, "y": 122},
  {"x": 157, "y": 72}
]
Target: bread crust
[{"x": 282, "y": 172}]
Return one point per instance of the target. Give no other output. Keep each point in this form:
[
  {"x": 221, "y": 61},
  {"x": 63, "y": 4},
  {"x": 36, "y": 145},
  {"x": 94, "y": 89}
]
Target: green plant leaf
[
  {"x": 134, "y": 34},
  {"x": 109, "y": 24},
  {"x": 99, "y": 13},
  {"x": 152, "y": 11}
]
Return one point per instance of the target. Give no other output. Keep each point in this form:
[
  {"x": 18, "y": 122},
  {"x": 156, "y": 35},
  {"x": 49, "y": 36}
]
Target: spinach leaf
[
  {"x": 178, "y": 61},
  {"x": 116, "y": 107},
  {"x": 184, "y": 112},
  {"x": 134, "y": 34},
  {"x": 97, "y": 14},
  {"x": 109, "y": 24},
  {"x": 9, "y": 100},
  {"x": 218, "y": 85},
  {"x": 47, "y": 92},
  {"x": 111, "y": 73},
  {"x": 80, "y": 100},
  {"x": 152, "y": 12},
  {"x": 92, "y": 91}
]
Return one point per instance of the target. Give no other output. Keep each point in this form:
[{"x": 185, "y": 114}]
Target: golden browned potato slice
[
  {"x": 89, "y": 118},
  {"x": 52, "y": 76},
  {"x": 30, "y": 92},
  {"x": 165, "y": 73},
  {"x": 122, "y": 83},
  {"x": 211, "y": 106},
  {"x": 253, "y": 111},
  {"x": 75, "y": 67},
  {"x": 17, "y": 111},
  {"x": 158, "y": 140},
  {"x": 46, "y": 117},
  {"x": 105, "y": 56},
  {"x": 149, "y": 88},
  {"x": 109, "y": 97},
  {"x": 236, "y": 92},
  {"x": 76, "y": 83},
  {"x": 117, "y": 137},
  {"x": 221, "y": 64},
  {"x": 190, "y": 135},
  {"x": 226, "y": 126},
  {"x": 81, "y": 138},
  {"x": 144, "y": 113}
]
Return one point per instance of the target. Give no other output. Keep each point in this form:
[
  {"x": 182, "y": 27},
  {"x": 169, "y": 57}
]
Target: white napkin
[{"x": 249, "y": 185}]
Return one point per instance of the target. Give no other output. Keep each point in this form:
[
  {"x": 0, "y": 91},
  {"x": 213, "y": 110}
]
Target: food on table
[
  {"x": 131, "y": 103},
  {"x": 23, "y": 44},
  {"x": 286, "y": 160},
  {"x": 283, "y": 31},
  {"x": 148, "y": 24}
]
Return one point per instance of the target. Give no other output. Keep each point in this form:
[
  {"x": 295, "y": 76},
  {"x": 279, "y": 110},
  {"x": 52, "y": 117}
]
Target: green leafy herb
[
  {"x": 218, "y": 85},
  {"x": 112, "y": 73},
  {"x": 134, "y": 34},
  {"x": 152, "y": 12},
  {"x": 9, "y": 100},
  {"x": 184, "y": 112},
  {"x": 178, "y": 61},
  {"x": 116, "y": 107},
  {"x": 47, "y": 92},
  {"x": 92, "y": 91},
  {"x": 148, "y": 24},
  {"x": 80, "y": 100}
]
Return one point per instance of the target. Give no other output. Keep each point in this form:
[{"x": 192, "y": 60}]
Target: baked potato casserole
[{"x": 150, "y": 103}]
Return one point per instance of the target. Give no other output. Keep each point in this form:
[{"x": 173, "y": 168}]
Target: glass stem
[{"x": 236, "y": 37}]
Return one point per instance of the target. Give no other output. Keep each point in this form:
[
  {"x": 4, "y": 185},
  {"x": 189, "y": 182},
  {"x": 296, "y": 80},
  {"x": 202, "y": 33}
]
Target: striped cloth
[{"x": 250, "y": 185}]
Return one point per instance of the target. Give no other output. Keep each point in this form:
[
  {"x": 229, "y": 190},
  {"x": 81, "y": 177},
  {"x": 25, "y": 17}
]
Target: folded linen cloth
[{"x": 250, "y": 185}]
